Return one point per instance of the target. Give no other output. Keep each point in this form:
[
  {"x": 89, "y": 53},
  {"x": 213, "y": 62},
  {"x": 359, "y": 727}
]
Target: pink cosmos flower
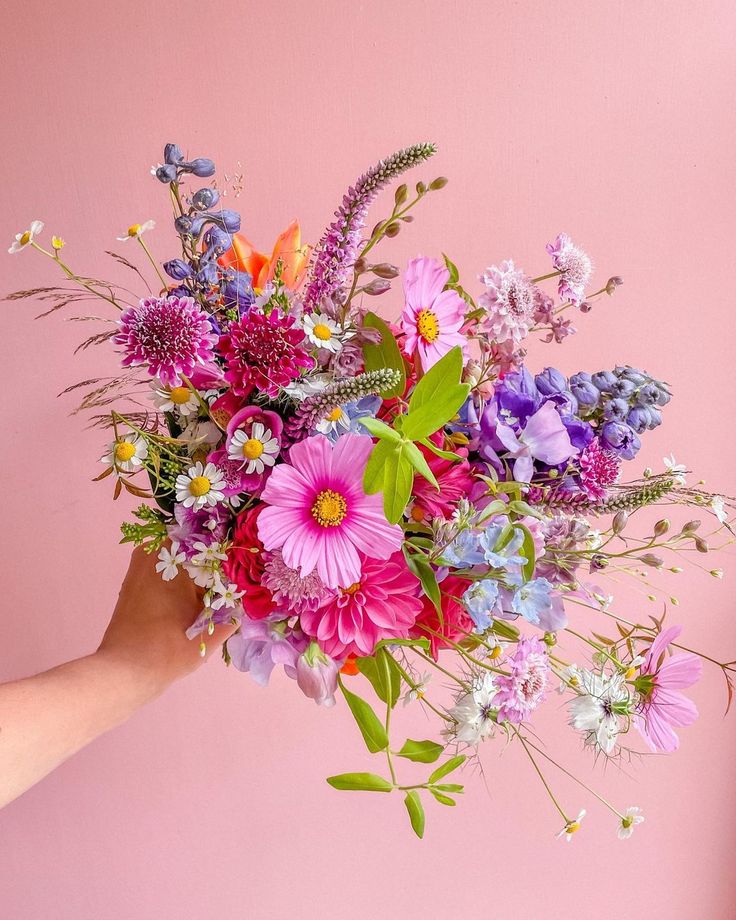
[
  {"x": 318, "y": 514},
  {"x": 169, "y": 334},
  {"x": 522, "y": 690},
  {"x": 663, "y": 707},
  {"x": 431, "y": 318},
  {"x": 544, "y": 438},
  {"x": 509, "y": 301},
  {"x": 383, "y": 604},
  {"x": 574, "y": 266}
]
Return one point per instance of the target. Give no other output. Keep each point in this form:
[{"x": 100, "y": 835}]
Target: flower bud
[
  {"x": 438, "y": 183},
  {"x": 650, "y": 559},
  {"x": 205, "y": 199},
  {"x": 173, "y": 154},
  {"x": 619, "y": 522},
  {"x": 613, "y": 283},
  {"x": 661, "y": 527},
  {"x": 316, "y": 675},
  {"x": 201, "y": 167},
  {"x": 385, "y": 270},
  {"x": 177, "y": 269},
  {"x": 377, "y": 286},
  {"x": 166, "y": 173}
]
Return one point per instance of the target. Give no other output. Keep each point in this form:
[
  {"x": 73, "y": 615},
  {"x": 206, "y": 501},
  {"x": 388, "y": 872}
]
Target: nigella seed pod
[
  {"x": 173, "y": 155},
  {"x": 166, "y": 174},
  {"x": 205, "y": 199},
  {"x": 177, "y": 269},
  {"x": 202, "y": 167}
]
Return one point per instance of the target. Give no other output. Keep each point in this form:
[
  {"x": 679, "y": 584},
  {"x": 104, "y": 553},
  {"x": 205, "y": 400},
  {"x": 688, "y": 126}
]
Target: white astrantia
[
  {"x": 136, "y": 231},
  {"x": 631, "y": 817},
  {"x": 474, "y": 713},
  {"x": 597, "y": 708},
  {"x": 322, "y": 331},
  {"x": 170, "y": 558},
  {"x": 200, "y": 486},
  {"x": 180, "y": 400},
  {"x": 256, "y": 450},
  {"x": 418, "y": 690},
  {"x": 572, "y": 826},
  {"x": 26, "y": 237},
  {"x": 126, "y": 454}
]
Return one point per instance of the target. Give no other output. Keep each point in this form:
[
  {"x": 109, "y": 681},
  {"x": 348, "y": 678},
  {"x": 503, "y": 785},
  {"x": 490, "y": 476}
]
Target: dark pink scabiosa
[
  {"x": 172, "y": 335},
  {"x": 263, "y": 352},
  {"x": 599, "y": 469},
  {"x": 522, "y": 689},
  {"x": 574, "y": 266},
  {"x": 509, "y": 301}
]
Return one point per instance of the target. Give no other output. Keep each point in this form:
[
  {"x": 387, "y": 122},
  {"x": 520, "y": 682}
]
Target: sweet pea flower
[
  {"x": 544, "y": 438},
  {"x": 316, "y": 675}
]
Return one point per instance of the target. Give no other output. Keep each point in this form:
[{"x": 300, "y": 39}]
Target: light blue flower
[
  {"x": 480, "y": 600},
  {"x": 501, "y": 557},
  {"x": 533, "y": 600},
  {"x": 464, "y": 551}
]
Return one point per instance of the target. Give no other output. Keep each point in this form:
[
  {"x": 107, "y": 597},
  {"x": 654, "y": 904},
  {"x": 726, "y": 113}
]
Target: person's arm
[{"x": 47, "y": 718}]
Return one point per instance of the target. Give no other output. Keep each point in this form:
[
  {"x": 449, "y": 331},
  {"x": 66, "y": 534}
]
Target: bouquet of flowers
[{"x": 373, "y": 502}]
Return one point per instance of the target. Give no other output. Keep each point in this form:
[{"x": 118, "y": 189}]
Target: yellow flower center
[
  {"x": 627, "y": 821},
  {"x": 574, "y": 681},
  {"x": 428, "y": 325},
  {"x": 124, "y": 450},
  {"x": 495, "y": 652},
  {"x": 335, "y": 415},
  {"x": 352, "y": 589},
  {"x": 199, "y": 486},
  {"x": 252, "y": 449},
  {"x": 572, "y": 827},
  {"x": 630, "y": 673},
  {"x": 180, "y": 395},
  {"x": 329, "y": 508},
  {"x": 134, "y": 229},
  {"x": 322, "y": 332},
  {"x": 26, "y": 238}
]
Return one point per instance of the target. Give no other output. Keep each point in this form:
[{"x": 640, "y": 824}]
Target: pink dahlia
[
  {"x": 599, "y": 469},
  {"x": 574, "y": 266},
  {"x": 509, "y": 301},
  {"x": 663, "y": 708},
  {"x": 318, "y": 514},
  {"x": 263, "y": 352},
  {"x": 169, "y": 334},
  {"x": 522, "y": 690},
  {"x": 432, "y": 317},
  {"x": 382, "y": 604}
]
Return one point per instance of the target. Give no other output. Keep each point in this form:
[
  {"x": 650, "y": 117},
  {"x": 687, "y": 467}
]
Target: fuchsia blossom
[
  {"x": 663, "y": 707},
  {"x": 432, "y": 317}
]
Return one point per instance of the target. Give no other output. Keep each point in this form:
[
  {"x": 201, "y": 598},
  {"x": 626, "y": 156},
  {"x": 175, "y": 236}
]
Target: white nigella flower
[
  {"x": 322, "y": 331},
  {"x": 418, "y": 690},
  {"x": 632, "y": 817},
  {"x": 596, "y": 709},
  {"x": 135, "y": 231},
  {"x": 126, "y": 454},
  {"x": 572, "y": 826},
  {"x": 718, "y": 507},
  {"x": 336, "y": 421},
  {"x": 26, "y": 237},
  {"x": 181, "y": 400},
  {"x": 200, "y": 486},
  {"x": 225, "y": 595},
  {"x": 256, "y": 450},
  {"x": 474, "y": 713},
  {"x": 675, "y": 469},
  {"x": 169, "y": 561},
  {"x": 200, "y": 434}
]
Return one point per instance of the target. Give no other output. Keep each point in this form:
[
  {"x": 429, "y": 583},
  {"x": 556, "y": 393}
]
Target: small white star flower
[
  {"x": 632, "y": 817},
  {"x": 200, "y": 486},
  {"x": 127, "y": 454},
  {"x": 169, "y": 561},
  {"x": 718, "y": 507},
  {"x": 256, "y": 450},
  {"x": 26, "y": 237},
  {"x": 136, "y": 231},
  {"x": 572, "y": 826},
  {"x": 225, "y": 595},
  {"x": 675, "y": 469},
  {"x": 418, "y": 690}
]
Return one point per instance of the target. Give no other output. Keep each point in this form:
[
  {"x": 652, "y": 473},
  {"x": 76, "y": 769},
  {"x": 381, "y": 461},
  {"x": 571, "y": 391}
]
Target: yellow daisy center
[
  {"x": 572, "y": 827},
  {"x": 323, "y": 332},
  {"x": 199, "y": 486},
  {"x": 335, "y": 415},
  {"x": 252, "y": 448},
  {"x": 630, "y": 673},
  {"x": 495, "y": 652},
  {"x": 180, "y": 395},
  {"x": 134, "y": 229},
  {"x": 428, "y": 325},
  {"x": 329, "y": 508},
  {"x": 25, "y": 238},
  {"x": 124, "y": 450}
]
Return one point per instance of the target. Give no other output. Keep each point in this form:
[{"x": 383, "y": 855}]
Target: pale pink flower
[
  {"x": 509, "y": 301},
  {"x": 432, "y": 317},
  {"x": 574, "y": 266}
]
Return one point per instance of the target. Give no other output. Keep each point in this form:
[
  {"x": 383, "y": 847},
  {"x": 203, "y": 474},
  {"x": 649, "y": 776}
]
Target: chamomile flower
[
  {"x": 170, "y": 558},
  {"x": 334, "y": 423},
  {"x": 200, "y": 486},
  {"x": 126, "y": 454},
  {"x": 418, "y": 690},
  {"x": 322, "y": 331},
  {"x": 630, "y": 819},
  {"x": 181, "y": 400},
  {"x": 135, "y": 231},
  {"x": 24, "y": 239},
  {"x": 572, "y": 826},
  {"x": 225, "y": 595},
  {"x": 257, "y": 449}
]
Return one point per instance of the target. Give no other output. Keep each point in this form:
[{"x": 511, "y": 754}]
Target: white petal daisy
[
  {"x": 256, "y": 450},
  {"x": 26, "y": 237},
  {"x": 632, "y": 816},
  {"x": 127, "y": 454},
  {"x": 200, "y": 486},
  {"x": 135, "y": 231},
  {"x": 322, "y": 331},
  {"x": 180, "y": 400},
  {"x": 572, "y": 826}
]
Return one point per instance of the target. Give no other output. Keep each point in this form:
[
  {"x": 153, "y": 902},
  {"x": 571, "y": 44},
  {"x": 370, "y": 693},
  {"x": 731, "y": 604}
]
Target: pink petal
[
  {"x": 674, "y": 707},
  {"x": 679, "y": 672},
  {"x": 276, "y": 524},
  {"x": 656, "y": 732}
]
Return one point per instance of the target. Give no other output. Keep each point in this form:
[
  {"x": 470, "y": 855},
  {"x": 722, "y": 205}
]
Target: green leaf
[
  {"x": 450, "y": 787},
  {"x": 363, "y": 782},
  {"x": 379, "y": 429},
  {"x": 374, "y": 669},
  {"x": 420, "y": 642},
  {"x": 371, "y": 727},
  {"x": 522, "y": 508},
  {"x": 452, "y": 269},
  {"x": 397, "y": 483},
  {"x": 425, "y": 573},
  {"x": 420, "y": 751},
  {"x": 382, "y": 457},
  {"x": 437, "y": 397},
  {"x": 385, "y": 353},
  {"x": 527, "y": 551},
  {"x": 416, "y": 811},
  {"x": 442, "y": 798},
  {"x": 447, "y": 767},
  {"x": 445, "y": 454},
  {"x": 416, "y": 458}
]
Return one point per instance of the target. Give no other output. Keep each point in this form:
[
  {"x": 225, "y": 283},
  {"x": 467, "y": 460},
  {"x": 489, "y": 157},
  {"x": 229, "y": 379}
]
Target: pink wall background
[{"x": 610, "y": 120}]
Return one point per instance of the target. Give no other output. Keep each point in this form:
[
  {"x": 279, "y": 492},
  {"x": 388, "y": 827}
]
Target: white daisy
[
  {"x": 572, "y": 826},
  {"x": 181, "y": 400},
  {"x": 631, "y": 818},
  {"x": 126, "y": 454},
  {"x": 675, "y": 469},
  {"x": 225, "y": 595},
  {"x": 26, "y": 237},
  {"x": 322, "y": 331},
  {"x": 200, "y": 486},
  {"x": 473, "y": 712},
  {"x": 256, "y": 450},
  {"x": 135, "y": 231},
  {"x": 337, "y": 421},
  {"x": 418, "y": 690},
  {"x": 169, "y": 561}
]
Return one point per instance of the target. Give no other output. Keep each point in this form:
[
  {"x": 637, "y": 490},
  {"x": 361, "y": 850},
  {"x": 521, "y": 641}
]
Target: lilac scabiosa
[
  {"x": 522, "y": 690},
  {"x": 337, "y": 251},
  {"x": 432, "y": 317},
  {"x": 169, "y": 334},
  {"x": 509, "y": 301},
  {"x": 574, "y": 266},
  {"x": 263, "y": 352}
]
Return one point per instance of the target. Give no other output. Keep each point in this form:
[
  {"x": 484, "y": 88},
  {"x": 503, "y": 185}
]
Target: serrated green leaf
[
  {"x": 360, "y": 782},
  {"x": 371, "y": 727},
  {"x": 442, "y": 798},
  {"x": 416, "y": 811},
  {"x": 374, "y": 669},
  {"x": 397, "y": 483},
  {"x": 383, "y": 456},
  {"x": 447, "y": 767},
  {"x": 379, "y": 429},
  {"x": 425, "y": 573},
  {"x": 417, "y": 460},
  {"x": 385, "y": 353},
  {"x": 420, "y": 751}
]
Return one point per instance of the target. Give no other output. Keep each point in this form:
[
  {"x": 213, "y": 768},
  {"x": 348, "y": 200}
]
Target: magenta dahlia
[
  {"x": 263, "y": 352},
  {"x": 172, "y": 335},
  {"x": 599, "y": 469}
]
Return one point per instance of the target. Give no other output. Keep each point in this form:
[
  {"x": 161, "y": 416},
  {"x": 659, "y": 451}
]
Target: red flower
[
  {"x": 455, "y": 481},
  {"x": 245, "y": 563},
  {"x": 456, "y": 622}
]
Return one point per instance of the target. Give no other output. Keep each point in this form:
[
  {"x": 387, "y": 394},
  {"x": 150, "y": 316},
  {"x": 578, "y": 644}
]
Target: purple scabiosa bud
[
  {"x": 603, "y": 380},
  {"x": 584, "y": 391},
  {"x": 177, "y": 269},
  {"x": 201, "y": 167},
  {"x": 205, "y": 199},
  {"x": 173, "y": 155},
  {"x": 316, "y": 675},
  {"x": 615, "y": 410},
  {"x": 166, "y": 173},
  {"x": 551, "y": 381},
  {"x": 621, "y": 439}
]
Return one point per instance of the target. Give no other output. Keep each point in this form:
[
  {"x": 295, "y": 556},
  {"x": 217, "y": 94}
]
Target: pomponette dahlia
[
  {"x": 318, "y": 514},
  {"x": 263, "y": 352},
  {"x": 172, "y": 335}
]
